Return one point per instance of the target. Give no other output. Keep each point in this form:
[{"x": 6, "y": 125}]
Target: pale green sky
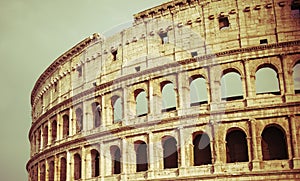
[{"x": 33, "y": 34}]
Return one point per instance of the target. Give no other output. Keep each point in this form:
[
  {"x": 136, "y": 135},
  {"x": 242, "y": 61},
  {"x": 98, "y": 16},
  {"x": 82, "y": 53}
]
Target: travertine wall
[{"x": 172, "y": 43}]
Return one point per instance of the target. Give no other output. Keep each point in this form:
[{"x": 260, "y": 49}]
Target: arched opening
[
  {"x": 95, "y": 157},
  {"x": 63, "y": 169},
  {"x": 202, "y": 151},
  {"x": 141, "y": 156},
  {"x": 45, "y": 136},
  {"x": 198, "y": 91},
  {"x": 51, "y": 171},
  {"x": 77, "y": 166},
  {"x": 116, "y": 159},
  {"x": 231, "y": 86},
  {"x": 43, "y": 173},
  {"x": 236, "y": 146},
  {"x": 168, "y": 97},
  {"x": 65, "y": 126},
  {"x": 79, "y": 120},
  {"x": 38, "y": 140},
  {"x": 96, "y": 114},
  {"x": 170, "y": 152},
  {"x": 117, "y": 109},
  {"x": 296, "y": 77},
  {"x": 273, "y": 143},
  {"x": 54, "y": 131},
  {"x": 266, "y": 81},
  {"x": 141, "y": 102}
]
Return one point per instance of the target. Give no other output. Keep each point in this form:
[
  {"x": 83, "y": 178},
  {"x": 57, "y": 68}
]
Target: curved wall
[{"x": 106, "y": 101}]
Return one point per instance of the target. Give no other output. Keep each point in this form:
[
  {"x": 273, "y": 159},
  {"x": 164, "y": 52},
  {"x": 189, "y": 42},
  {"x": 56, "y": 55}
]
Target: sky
[{"x": 33, "y": 33}]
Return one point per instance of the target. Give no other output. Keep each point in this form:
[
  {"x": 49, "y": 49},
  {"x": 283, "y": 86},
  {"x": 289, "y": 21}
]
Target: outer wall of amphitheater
[{"x": 177, "y": 96}]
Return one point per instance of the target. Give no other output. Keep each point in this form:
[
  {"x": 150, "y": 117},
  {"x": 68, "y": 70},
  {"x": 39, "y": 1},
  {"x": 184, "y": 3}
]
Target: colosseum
[{"x": 192, "y": 90}]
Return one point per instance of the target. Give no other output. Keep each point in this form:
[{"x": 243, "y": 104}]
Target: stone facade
[{"x": 126, "y": 107}]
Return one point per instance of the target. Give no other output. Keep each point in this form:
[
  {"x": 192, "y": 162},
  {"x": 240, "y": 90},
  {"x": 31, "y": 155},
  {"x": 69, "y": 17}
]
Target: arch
[
  {"x": 65, "y": 126},
  {"x": 274, "y": 146},
  {"x": 38, "y": 140},
  {"x": 141, "y": 156},
  {"x": 45, "y": 136},
  {"x": 266, "y": 80},
  {"x": 116, "y": 159},
  {"x": 77, "y": 166},
  {"x": 63, "y": 169},
  {"x": 236, "y": 146},
  {"x": 231, "y": 85},
  {"x": 43, "y": 173},
  {"x": 168, "y": 96},
  {"x": 202, "y": 150},
  {"x": 170, "y": 153},
  {"x": 95, "y": 161},
  {"x": 96, "y": 114},
  {"x": 54, "y": 131},
  {"x": 198, "y": 91},
  {"x": 296, "y": 77},
  {"x": 117, "y": 108},
  {"x": 141, "y": 102},
  {"x": 79, "y": 120},
  {"x": 51, "y": 171}
]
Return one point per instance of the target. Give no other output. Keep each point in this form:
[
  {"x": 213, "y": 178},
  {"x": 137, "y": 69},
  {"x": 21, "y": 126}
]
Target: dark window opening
[
  {"x": 116, "y": 159},
  {"x": 95, "y": 163},
  {"x": 170, "y": 153},
  {"x": 223, "y": 23},
  {"x": 55, "y": 87},
  {"x": 236, "y": 147},
  {"x": 232, "y": 98},
  {"x": 164, "y": 38},
  {"x": 54, "y": 131},
  {"x": 138, "y": 68},
  {"x": 141, "y": 157},
  {"x": 79, "y": 120},
  {"x": 202, "y": 151},
  {"x": 65, "y": 126},
  {"x": 295, "y": 5},
  {"x": 43, "y": 173},
  {"x": 77, "y": 166},
  {"x": 97, "y": 114},
  {"x": 45, "y": 136},
  {"x": 63, "y": 169},
  {"x": 274, "y": 145},
  {"x": 51, "y": 171},
  {"x": 114, "y": 53},
  {"x": 194, "y": 54},
  {"x": 79, "y": 70},
  {"x": 263, "y": 41}
]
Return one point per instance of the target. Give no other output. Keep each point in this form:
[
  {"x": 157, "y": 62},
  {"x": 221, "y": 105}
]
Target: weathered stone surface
[{"x": 174, "y": 44}]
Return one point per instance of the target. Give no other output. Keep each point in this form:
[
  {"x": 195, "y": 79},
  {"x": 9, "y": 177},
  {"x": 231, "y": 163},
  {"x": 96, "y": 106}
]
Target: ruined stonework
[{"x": 193, "y": 90}]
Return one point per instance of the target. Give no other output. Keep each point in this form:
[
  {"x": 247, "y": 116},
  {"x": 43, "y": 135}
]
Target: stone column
[
  {"x": 102, "y": 161},
  {"x": 255, "y": 159},
  {"x": 183, "y": 91},
  {"x": 84, "y": 171},
  {"x": 69, "y": 167},
  {"x": 72, "y": 131},
  {"x": 295, "y": 136},
  {"x": 124, "y": 163}
]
